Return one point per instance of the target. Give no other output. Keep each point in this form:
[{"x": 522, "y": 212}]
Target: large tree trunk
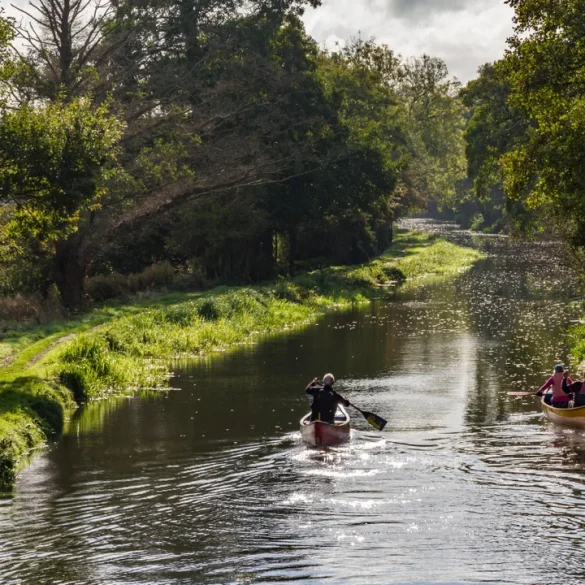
[{"x": 70, "y": 269}]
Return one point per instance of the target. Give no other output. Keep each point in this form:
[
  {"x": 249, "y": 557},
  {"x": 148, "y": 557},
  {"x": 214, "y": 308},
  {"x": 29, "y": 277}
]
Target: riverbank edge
[{"x": 87, "y": 359}]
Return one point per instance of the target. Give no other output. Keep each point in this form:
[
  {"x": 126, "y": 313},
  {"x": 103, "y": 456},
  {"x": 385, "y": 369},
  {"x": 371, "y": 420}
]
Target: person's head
[
  {"x": 559, "y": 369},
  {"x": 328, "y": 379}
]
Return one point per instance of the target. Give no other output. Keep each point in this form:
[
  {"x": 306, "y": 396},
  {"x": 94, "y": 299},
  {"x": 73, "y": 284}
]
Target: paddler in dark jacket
[
  {"x": 325, "y": 399},
  {"x": 576, "y": 388}
]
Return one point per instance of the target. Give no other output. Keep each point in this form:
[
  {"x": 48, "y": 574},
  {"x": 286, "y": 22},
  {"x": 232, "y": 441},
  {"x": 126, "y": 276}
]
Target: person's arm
[
  {"x": 573, "y": 387},
  {"x": 313, "y": 387},
  {"x": 545, "y": 386},
  {"x": 565, "y": 385}
]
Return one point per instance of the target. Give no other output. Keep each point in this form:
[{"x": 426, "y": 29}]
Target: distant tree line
[
  {"x": 525, "y": 137},
  {"x": 212, "y": 135}
]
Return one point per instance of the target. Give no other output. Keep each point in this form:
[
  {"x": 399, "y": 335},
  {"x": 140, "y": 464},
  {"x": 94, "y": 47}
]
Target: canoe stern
[
  {"x": 574, "y": 417},
  {"x": 322, "y": 434}
]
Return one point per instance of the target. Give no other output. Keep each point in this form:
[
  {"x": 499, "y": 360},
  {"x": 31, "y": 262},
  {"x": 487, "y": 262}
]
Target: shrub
[
  {"x": 22, "y": 309},
  {"x": 394, "y": 274},
  {"x": 91, "y": 367},
  {"x": 477, "y": 222},
  {"x": 19, "y": 308},
  {"x": 182, "y": 315},
  {"x": 104, "y": 287},
  {"x": 154, "y": 276},
  {"x": 209, "y": 309},
  {"x": 288, "y": 291}
]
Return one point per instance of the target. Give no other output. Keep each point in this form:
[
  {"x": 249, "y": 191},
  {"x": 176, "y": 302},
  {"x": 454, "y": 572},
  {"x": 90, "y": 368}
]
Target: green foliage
[
  {"x": 124, "y": 353},
  {"x": 477, "y": 222},
  {"x": 110, "y": 286},
  {"x": 119, "y": 356},
  {"x": 495, "y": 127},
  {"x": 577, "y": 336},
  {"x": 225, "y": 238},
  {"x": 245, "y": 151},
  {"x": 545, "y": 68},
  {"x": 54, "y": 160},
  {"x": 435, "y": 128},
  {"x": 7, "y": 34},
  {"x": 131, "y": 349},
  {"x": 31, "y": 410}
]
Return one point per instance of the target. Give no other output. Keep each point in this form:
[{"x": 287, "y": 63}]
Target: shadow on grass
[
  {"x": 408, "y": 244},
  {"x": 36, "y": 398},
  {"x": 31, "y": 409}
]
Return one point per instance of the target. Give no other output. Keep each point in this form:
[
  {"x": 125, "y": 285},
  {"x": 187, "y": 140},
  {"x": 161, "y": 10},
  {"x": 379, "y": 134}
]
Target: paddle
[
  {"x": 521, "y": 394},
  {"x": 376, "y": 421}
]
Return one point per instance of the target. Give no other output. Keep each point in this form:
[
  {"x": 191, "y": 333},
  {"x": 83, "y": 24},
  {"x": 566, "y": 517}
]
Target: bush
[
  {"x": 477, "y": 222},
  {"x": 19, "y": 308},
  {"x": 289, "y": 291},
  {"x": 394, "y": 274},
  {"x": 209, "y": 309},
  {"x": 182, "y": 315},
  {"x": 93, "y": 365},
  {"x": 110, "y": 286},
  {"x": 104, "y": 287},
  {"x": 22, "y": 309},
  {"x": 154, "y": 276}
]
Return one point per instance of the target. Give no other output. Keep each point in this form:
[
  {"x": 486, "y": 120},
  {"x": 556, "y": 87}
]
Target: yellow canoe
[{"x": 574, "y": 417}]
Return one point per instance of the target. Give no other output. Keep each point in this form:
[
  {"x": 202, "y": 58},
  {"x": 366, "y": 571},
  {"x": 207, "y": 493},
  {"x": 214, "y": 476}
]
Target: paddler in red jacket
[{"x": 325, "y": 399}]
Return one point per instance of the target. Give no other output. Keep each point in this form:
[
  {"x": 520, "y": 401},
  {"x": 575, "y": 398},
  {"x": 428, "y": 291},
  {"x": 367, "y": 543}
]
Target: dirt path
[{"x": 37, "y": 358}]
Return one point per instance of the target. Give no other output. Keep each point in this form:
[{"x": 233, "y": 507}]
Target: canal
[{"x": 209, "y": 483}]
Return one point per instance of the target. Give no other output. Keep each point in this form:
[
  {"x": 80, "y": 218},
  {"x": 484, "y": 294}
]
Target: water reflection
[{"x": 210, "y": 484}]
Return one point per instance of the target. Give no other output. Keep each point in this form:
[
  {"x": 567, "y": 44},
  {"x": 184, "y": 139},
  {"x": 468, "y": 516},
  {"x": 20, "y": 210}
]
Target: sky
[{"x": 464, "y": 33}]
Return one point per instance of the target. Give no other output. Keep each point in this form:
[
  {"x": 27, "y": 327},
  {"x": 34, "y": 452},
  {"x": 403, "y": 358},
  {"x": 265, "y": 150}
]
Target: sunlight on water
[{"x": 211, "y": 485}]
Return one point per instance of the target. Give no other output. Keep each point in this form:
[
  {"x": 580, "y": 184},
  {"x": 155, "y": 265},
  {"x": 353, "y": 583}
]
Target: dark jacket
[
  {"x": 575, "y": 388},
  {"x": 325, "y": 401}
]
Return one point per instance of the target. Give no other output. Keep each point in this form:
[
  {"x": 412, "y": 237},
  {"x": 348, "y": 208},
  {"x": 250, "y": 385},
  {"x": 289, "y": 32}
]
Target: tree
[
  {"x": 362, "y": 153},
  {"x": 494, "y": 128},
  {"x": 54, "y": 163},
  {"x": 208, "y": 108},
  {"x": 64, "y": 55},
  {"x": 545, "y": 67},
  {"x": 436, "y": 123},
  {"x": 6, "y": 62}
]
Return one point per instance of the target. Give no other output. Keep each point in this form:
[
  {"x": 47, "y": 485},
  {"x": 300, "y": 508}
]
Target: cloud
[
  {"x": 416, "y": 9},
  {"x": 465, "y": 33}
]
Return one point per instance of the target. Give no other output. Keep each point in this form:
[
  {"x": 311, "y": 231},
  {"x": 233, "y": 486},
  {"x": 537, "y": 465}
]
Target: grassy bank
[{"x": 118, "y": 347}]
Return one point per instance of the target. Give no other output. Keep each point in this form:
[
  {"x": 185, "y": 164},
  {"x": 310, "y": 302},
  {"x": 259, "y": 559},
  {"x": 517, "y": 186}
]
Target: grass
[{"x": 127, "y": 346}]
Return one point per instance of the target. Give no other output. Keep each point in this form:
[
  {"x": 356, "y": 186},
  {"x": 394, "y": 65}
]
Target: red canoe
[{"x": 322, "y": 434}]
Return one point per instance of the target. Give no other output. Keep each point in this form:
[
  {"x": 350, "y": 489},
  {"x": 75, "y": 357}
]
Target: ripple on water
[{"x": 465, "y": 486}]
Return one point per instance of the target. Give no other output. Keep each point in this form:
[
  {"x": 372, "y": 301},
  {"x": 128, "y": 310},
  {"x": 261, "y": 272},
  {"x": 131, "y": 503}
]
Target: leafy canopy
[
  {"x": 54, "y": 161},
  {"x": 545, "y": 68}
]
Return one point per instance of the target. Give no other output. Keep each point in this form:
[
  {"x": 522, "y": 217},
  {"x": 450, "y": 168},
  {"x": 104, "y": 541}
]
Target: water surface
[{"x": 209, "y": 484}]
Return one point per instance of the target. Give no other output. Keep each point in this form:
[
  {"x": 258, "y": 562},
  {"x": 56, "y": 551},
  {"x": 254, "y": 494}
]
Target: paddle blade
[
  {"x": 520, "y": 394},
  {"x": 376, "y": 421}
]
